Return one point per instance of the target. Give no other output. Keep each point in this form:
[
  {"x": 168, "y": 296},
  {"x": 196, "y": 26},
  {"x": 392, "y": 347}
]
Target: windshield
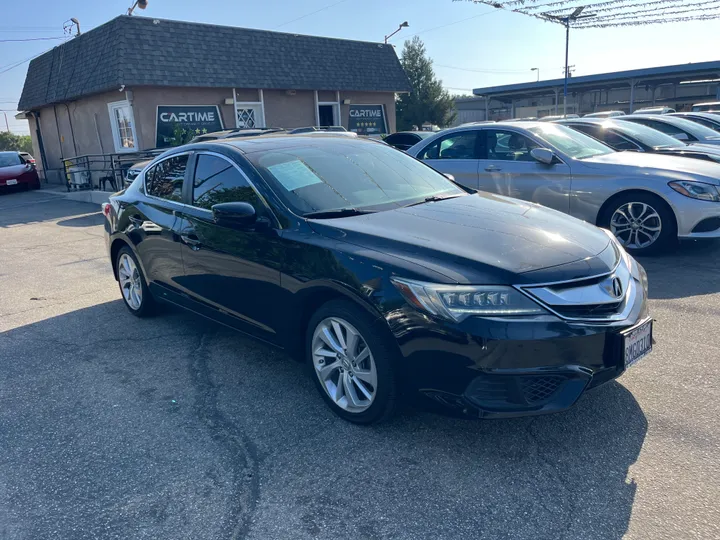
[
  {"x": 646, "y": 135},
  {"x": 9, "y": 159},
  {"x": 347, "y": 173},
  {"x": 570, "y": 142},
  {"x": 695, "y": 129}
]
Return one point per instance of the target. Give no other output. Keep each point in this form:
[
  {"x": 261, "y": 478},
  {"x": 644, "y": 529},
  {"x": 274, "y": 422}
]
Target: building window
[
  {"x": 123, "y": 126},
  {"x": 246, "y": 117}
]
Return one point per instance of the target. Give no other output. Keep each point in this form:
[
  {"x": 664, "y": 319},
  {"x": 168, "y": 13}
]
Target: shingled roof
[{"x": 139, "y": 51}]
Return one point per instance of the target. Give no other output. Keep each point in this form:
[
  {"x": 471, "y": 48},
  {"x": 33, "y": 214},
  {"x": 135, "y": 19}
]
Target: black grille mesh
[{"x": 540, "y": 388}]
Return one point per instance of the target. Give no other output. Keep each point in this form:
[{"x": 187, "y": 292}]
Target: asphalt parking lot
[{"x": 175, "y": 427}]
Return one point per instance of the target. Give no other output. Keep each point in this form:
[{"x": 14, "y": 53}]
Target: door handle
[
  {"x": 146, "y": 226},
  {"x": 492, "y": 168},
  {"x": 191, "y": 240}
]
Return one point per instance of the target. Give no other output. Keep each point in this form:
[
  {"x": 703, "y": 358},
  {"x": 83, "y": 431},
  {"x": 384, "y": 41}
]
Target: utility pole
[{"x": 7, "y": 126}]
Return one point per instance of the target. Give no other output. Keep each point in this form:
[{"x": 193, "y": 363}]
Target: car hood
[
  {"x": 670, "y": 167},
  {"x": 481, "y": 239}
]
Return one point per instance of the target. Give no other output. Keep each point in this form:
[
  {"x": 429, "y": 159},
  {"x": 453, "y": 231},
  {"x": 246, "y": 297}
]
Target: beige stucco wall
[
  {"x": 283, "y": 110},
  {"x": 91, "y": 129},
  {"x": 147, "y": 98}
]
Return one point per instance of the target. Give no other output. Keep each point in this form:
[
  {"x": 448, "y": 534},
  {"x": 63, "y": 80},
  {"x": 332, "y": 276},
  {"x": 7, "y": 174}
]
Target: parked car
[
  {"x": 681, "y": 129},
  {"x": 27, "y": 157},
  {"x": 16, "y": 171},
  {"x": 604, "y": 114},
  {"x": 711, "y": 106},
  {"x": 405, "y": 139},
  {"x": 310, "y": 129},
  {"x": 647, "y": 201},
  {"x": 709, "y": 120},
  {"x": 632, "y": 137},
  {"x": 654, "y": 110},
  {"x": 235, "y": 132},
  {"x": 557, "y": 117},
  {"x": 381, "y": 274}
]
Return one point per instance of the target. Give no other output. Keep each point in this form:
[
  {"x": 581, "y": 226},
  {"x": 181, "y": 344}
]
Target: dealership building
[
  {"x": 137, "y": 83},
  {"x": 677, "y": 86}
]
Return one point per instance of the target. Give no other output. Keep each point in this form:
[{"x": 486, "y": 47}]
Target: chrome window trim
[
  {"x": 242, "y": 173},
  {"x": 155, "y": 163}
]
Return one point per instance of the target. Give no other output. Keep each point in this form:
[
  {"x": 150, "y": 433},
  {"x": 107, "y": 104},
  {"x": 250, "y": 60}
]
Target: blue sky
[{"x": 491, "y": 47}]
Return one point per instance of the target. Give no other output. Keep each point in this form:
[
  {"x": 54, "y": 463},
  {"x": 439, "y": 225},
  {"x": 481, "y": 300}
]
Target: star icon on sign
[
  {"x": 204, "y": 130},
  {"x": 197, "y": 131}
]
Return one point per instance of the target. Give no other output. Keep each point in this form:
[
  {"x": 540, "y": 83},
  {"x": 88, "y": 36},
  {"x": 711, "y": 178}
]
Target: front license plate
[
  {"x": 11, "y": 182},
  {"x": 637, "y": 343}
]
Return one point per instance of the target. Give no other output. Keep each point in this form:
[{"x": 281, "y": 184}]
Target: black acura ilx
[{"x": 380, "y": 273}]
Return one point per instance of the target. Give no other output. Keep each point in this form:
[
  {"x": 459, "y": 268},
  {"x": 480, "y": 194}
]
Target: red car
[{"x": 15, "y": 170}]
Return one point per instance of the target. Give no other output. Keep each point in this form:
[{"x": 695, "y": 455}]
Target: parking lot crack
[{"x": 240, "y": 450}]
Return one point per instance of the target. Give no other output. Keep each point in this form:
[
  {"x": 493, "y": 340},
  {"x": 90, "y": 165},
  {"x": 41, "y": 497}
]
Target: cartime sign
[
  {"x": 177, "y": 124},
  {"x": 367, "y": 119}
]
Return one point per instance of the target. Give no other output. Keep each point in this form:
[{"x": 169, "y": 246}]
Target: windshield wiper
[
  {"x": 432, "y": 198},
  {"x": 337, "y": 213}
]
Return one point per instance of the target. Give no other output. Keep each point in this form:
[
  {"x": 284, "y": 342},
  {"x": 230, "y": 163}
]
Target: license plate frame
[
  {"x": 641, "y": 334},
  {"x": 12, "y": 182}
]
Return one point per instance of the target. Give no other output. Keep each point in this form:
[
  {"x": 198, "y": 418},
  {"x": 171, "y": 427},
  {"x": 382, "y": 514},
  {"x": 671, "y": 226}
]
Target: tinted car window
[
  {"x": 217, "y": 180},
  {"x": 665, "y": 128},
  {"x": 165, "y": 180},
  {"x": 9, "y": 159},
  {"x": 573, "y": 143},
  {"x": 462, "y": 145},
  {"x": 348, "y": 174},
  {"x": 508, "y": 146},
  {"x": 618, "y": 142},
  {"x": 404, "y": 139},
  {"x": 593, "y": 131}
]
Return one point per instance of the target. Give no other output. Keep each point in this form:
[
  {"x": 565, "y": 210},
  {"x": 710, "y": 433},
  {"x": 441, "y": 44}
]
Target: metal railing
[{"x": 104, "y": 172}]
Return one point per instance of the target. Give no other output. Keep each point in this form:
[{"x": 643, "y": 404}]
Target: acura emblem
[{"x": 617, "y": 287}]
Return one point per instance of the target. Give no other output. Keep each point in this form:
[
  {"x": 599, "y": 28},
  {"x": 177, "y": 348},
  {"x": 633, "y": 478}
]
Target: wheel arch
[
  {"x": 601, "y": 215},
  {"x": 115, "y": 246},
  {"x": 308, "y": 301}
]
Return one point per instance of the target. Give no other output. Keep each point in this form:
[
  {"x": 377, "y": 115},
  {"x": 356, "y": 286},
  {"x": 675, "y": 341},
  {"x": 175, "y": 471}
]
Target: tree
[
  {"x": 20, "y": 143},
  {"x": 427, "y": 101}
]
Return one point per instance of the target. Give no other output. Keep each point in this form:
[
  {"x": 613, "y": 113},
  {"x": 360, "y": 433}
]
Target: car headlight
[
  {"x": 696, "y": 190},
  {"x": 458, "y": 302}
]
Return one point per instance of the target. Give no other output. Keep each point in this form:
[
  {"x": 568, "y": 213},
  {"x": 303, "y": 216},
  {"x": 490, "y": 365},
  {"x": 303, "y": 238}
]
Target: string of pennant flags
[{"x": 612, "y": 13}]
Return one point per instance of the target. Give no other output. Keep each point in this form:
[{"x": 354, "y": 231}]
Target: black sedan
[
  {"x": 381, "y": 274},
  {"x": 405, "y": 139},
  {"x": 707, "y": 119},
  {"x": 632, "y": 137}
]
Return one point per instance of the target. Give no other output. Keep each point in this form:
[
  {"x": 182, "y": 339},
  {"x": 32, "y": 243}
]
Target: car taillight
[{"x": 106, "y": 209}]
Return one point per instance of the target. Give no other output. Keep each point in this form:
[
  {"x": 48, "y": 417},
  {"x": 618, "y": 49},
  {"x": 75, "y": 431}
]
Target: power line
[
  {"x": 33, "y": 39},
  {"x": 313, "y": 13},
  {"x": 486, "y": 71},
  {"x": 448, "y": 24},
  {"x": 8, "y": 67}
]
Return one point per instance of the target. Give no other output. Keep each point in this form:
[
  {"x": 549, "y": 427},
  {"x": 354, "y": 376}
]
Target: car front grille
[{"x": 603, "y": 298}]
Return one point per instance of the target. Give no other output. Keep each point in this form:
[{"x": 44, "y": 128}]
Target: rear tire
[
  {"x": 642, "y": 222},
  {"x": 133, "y": 286},
  {"x": 352, "y": 363}
]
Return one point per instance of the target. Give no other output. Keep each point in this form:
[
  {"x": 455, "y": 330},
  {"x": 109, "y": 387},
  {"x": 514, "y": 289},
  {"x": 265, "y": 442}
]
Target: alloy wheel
[
  {"x": 130, "y": 281},
  {"x": 344, "y": 364},
  {"x": 636, "y": 225}
]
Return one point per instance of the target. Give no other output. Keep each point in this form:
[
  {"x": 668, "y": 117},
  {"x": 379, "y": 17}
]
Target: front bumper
[
  {"x": 697, "y": 219},
  {"x": 504, "y": 368}
]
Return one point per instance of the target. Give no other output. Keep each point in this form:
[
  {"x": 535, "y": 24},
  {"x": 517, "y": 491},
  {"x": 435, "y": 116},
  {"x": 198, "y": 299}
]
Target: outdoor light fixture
[{"x": 402, "y": 25}]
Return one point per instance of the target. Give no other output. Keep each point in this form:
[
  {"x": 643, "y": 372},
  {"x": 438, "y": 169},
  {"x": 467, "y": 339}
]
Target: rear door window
[
  {"x": 462, "y": 145},
  {"x": 165, "y": 180}
]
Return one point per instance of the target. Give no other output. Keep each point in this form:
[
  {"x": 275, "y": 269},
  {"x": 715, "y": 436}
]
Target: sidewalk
[{"x": 97, "y": 197}]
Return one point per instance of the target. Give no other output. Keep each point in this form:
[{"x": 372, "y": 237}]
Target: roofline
[
  {"x": 644, "y": 73},
  {"x": 248, "y": 28}
]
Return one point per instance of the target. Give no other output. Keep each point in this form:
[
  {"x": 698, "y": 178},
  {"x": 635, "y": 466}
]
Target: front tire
[
  {"x": 133, "y": 287},
  {"x": 352, "y": 363},
  {"x": 642, "y": 222}
]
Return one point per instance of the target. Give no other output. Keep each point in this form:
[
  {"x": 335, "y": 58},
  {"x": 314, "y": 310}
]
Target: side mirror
[
  {"x": 234, "y": 214},
  {"x": 449, "y": 176},
  {"x": 681, "y": 136},
  {"x": 543, "y": 155}
]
